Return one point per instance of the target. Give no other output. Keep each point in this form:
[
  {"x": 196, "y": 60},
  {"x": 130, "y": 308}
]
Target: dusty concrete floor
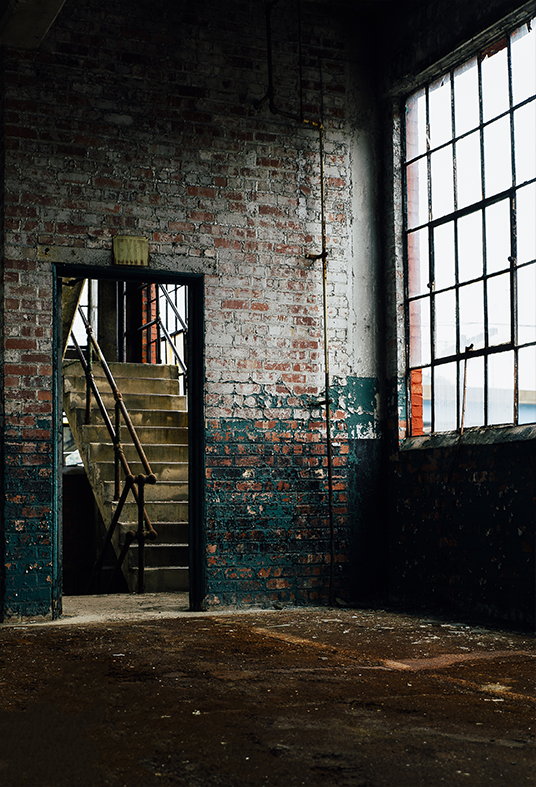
[{"x": 138, "y": 691}]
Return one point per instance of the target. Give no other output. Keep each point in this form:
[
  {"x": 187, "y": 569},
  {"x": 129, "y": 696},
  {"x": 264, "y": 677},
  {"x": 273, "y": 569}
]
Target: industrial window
[{"x": 470, "y": 233}]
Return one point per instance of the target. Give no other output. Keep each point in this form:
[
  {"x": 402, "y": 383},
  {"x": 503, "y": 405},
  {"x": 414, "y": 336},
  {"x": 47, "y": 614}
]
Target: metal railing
[
  {"x": 165, "y": 334},
  {"x": 137, "y": 483}
]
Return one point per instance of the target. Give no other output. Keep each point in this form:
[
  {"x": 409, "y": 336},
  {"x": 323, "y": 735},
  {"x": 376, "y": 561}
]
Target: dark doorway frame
[{"x": 195, "y": 398}]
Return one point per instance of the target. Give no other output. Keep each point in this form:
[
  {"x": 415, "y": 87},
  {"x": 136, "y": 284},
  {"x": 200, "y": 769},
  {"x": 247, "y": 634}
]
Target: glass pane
[
  {"x": 419, "y": 332},
  {"x": 427, "y": 400},
  {"x": 440, "y": 112},
  {"x": 499, "y": 328},
  {"x": 472, "y": 316},
  {"x": 442, "y": 182},
  {"x": 498, "y": 247},
  {"x": 468, "y": 171},
  {"x": 495, "y": 82},
  {"x": 445, "y": 324},
  {"x": 526, "y": 365},
  {"x": 417, "y": 190},
  {"x": 501, "y": 388},
  {"x": 524, "y": 62},
  {"x": 525, "y": 142},
  {"x": 466, "y": 101},
  {"x": 445, "y": 397},
  {"x": 418, "y": 273},
  {"x": 526, "y": 304},
  {"x": 470, "y": 256},
  {"x": 497, "y": 157},
  {"x": 526, "y": 226},
  {"x": 444, "y": 256},
  {"x": 474, "y": 392},
  {"x": 416, "y": 124}
]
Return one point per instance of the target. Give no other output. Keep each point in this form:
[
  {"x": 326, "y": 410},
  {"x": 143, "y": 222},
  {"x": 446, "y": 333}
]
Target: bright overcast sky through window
[{"x": 471, "y": 240}]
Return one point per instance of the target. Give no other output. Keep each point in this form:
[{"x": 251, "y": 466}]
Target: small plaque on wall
[{"x": 131, "y": 251}]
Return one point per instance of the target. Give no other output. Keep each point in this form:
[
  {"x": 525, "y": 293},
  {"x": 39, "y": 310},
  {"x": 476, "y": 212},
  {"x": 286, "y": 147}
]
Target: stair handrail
[
  {"x": 158, "y": 321},
  {"x": 136, "y": 483}
]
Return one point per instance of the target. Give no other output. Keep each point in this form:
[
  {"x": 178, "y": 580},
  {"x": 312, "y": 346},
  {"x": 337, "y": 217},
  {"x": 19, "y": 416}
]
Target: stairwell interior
[{"x": 157, "y": 405}]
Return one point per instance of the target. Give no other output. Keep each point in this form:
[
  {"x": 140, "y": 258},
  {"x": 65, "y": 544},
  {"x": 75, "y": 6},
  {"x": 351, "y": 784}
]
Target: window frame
[{"x": 476, "y": 208}]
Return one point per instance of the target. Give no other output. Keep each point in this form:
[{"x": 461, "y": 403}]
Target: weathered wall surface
[
  {"x": 141, "y": 118},
  {"x": 461, "y": 523}
]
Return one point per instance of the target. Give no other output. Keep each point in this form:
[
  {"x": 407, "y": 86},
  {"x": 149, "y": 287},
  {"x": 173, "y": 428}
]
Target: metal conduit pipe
[{"x": 269, "y": 97}]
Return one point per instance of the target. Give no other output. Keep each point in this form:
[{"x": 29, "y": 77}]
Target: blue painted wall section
[{"x": 267, "y": 501}]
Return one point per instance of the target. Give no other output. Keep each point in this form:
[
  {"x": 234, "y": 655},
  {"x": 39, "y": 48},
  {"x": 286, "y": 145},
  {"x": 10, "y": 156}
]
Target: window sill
[{"x": 482, "y": 435}]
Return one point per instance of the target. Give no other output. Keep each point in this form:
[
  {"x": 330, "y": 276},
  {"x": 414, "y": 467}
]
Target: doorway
[{"x": 150, "y": 333}]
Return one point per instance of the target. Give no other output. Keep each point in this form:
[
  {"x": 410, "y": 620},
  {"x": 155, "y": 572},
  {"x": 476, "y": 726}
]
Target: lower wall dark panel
[{"x": 462, "y": 529}]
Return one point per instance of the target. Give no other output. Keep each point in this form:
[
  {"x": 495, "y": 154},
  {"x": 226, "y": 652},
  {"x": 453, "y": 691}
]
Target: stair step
[
  {"x": 157, "y": 452},
  {"x": 159, "y": 414},
  {"x": 140, "y": 415},
  {"x": 119, "y": 370},
  {"x": 134, "y": 401},
  {"x": 127, "y": 385},
  {"x": 157, "y": 511},
  {"x": 168, "y": 532},
  {"x": 164, "y": 579},
  {"x": 164, "y": 471},
  {"x": 160, "y": 555},
  {"x": 162, "y": 491},
  {"x": 178, "y": 435}
]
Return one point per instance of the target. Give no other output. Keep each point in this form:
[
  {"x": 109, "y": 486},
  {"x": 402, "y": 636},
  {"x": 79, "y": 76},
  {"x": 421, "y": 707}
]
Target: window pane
[
  {"x": 526, "y": 226},
  {"x": 495, "y": 83},
  {"x": 427, "y": 400},
  {"x": 474, "y": 394},
  {"x": 444, "y": 256},
  {"x": 499, "y": 327},
  {"x": 440, "y": 112},
  {"x": 416, "y": 124},
  {"x": 524, "y": 62},
  {"x": 419, "y": 332},
  {"x": 417, "y": 191},
  {"x": 526, "y": 365},
  {"x": 526, "y": 304},
  {"x": 445, "y": 324},
  {"x": 472, "y": 316},
  {"x": 468, "y": 171},
  {"x": 498, "y": 247},
  {"x": 445, "y": 397},
  {"x": 442, "y": 182},
  {"x": 525, "y": 142},
  {"x": 470, "y": 264},
  {"x": 466, "y": 97},
  {"x": 418, "y": 273},
  {"x": 501, "y": 388},
  {"x": 497, "y": 157}
]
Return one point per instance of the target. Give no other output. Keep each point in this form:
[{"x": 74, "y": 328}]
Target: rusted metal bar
[
  {"x": 118, "y": 448},
  {"x": 129, "y": 538},
  {"x": 93, "y": 386},
  {"x": 129, "y": 481},
  {"x": 173, "y": 348},
  {"x": 119, "y": 399},
  {"x": 140, "y": 480},
  {"x": 145, "y": 528}
]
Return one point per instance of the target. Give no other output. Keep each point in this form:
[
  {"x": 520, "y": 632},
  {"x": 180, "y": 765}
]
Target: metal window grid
[{"x": 452, "y": 218}]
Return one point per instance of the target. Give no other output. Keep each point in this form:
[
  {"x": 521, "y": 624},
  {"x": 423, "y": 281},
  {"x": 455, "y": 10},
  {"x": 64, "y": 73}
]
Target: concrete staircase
[{"x": 159, "y": 415}]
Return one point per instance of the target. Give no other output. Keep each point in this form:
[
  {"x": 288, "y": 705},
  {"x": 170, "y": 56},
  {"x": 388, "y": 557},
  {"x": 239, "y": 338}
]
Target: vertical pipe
[{"x": 327, "y": 373}]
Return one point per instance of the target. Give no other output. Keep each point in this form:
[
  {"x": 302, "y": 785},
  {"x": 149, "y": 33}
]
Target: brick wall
[{"x": 141, "y": 118}]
